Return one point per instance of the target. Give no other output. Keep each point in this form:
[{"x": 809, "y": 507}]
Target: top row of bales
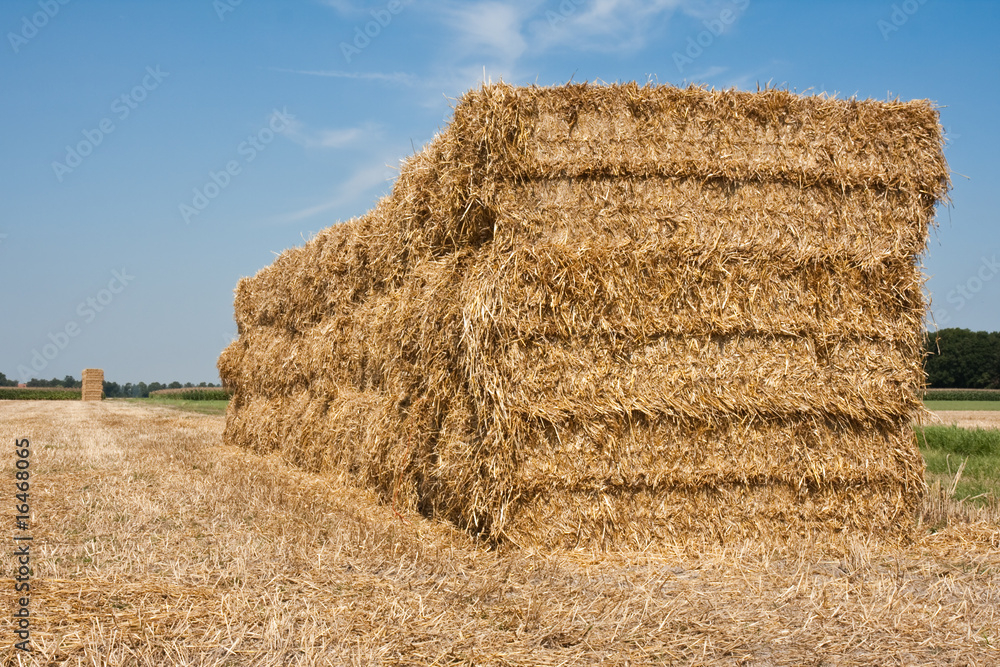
[{"x": 615, "y": 315}]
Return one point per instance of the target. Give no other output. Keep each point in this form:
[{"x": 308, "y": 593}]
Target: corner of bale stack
[{"x": 611, "y": 315}]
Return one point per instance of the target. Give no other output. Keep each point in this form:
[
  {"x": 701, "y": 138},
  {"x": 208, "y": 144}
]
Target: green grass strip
[{"x": 946, "y": 449}]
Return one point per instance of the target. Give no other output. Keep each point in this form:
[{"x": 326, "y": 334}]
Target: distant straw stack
[
  {"x": 93, "y": 384},
  {"x": 611, "y": 315}
]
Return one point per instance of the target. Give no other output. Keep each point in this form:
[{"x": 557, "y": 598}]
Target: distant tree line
[
  {"x": 956, "y": 358},
  {"x": 69, "y": 382},
  {"x": 959, "y": 358},
  {"x": 141, "y": 390},
  {"x": 111, "y": 389}
]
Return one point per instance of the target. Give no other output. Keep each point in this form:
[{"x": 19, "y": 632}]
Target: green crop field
[
  {"x": 193, "y": 394},
  {"x": 963, "y": 405},
  {"x": 962, "y": 395},
  {"x": 38, "y": 394},
  {"x": 205, "y": 407}
]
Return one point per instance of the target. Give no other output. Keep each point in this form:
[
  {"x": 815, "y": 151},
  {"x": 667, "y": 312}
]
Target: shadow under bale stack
[{"x": 612, "y": 315}]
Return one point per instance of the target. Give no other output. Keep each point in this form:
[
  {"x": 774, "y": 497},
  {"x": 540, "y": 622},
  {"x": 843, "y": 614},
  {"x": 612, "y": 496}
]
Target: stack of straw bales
[
  {"x": 93, "y": 384},
  {"x": 611, "y": 315}
]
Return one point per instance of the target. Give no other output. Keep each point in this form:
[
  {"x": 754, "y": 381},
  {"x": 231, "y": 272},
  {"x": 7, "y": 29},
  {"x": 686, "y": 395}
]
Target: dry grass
[{"x": 158, "y": 545}]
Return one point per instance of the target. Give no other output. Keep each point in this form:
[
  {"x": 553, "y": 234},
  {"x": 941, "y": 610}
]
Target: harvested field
[
  {"x": 157, "y": 544},
  {"x": 966, "y": 418}
]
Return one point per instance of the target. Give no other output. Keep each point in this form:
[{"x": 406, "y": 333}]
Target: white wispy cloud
[
  {"x": 340, "y": 138},
  {"x": 502, "y": 37},
  {"x": 602, "y": 25},
  {"x": 704, "y": 76},
  {"x": 342, "y": 6},
  {"x": 350, "y": 190},
  {"x": 753, "y": 78},
  {"x": 387, "y": 77},
  {"x": 724, "y": 78},
  {"x": 346, "y": 137},
  {"x": 491, "y": 30},
  {"x": 490, "y": 40},
  {"x": 482, "y": 41}
]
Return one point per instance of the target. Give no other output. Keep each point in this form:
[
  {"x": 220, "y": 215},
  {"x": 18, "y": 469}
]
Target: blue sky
[{"x": 153, "y": 153}]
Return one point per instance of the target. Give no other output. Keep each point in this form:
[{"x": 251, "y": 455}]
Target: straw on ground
[{"x": 158, "y": 545}]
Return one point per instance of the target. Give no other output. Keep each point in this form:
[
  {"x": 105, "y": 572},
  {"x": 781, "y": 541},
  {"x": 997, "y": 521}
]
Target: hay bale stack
[
  {"x": 610, "y": 315},
  {"x": 93, "y": 384}
]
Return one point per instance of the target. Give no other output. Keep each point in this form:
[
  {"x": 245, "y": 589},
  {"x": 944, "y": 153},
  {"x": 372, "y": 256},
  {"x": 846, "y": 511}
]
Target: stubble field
[{"x": 155, "y": 544}]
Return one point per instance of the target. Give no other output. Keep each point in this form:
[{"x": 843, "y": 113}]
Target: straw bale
[
  {"x": 93, "y": 384},
  {"x": 638, "y": 518},
  {"x": 612, "y": 314},
  {"x": 774, "y": 135},
  {"x": 672, "y": 375}
]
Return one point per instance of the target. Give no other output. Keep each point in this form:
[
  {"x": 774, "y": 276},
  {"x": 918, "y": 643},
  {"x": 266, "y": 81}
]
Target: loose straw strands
[{"x": 615, "y": 315}]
